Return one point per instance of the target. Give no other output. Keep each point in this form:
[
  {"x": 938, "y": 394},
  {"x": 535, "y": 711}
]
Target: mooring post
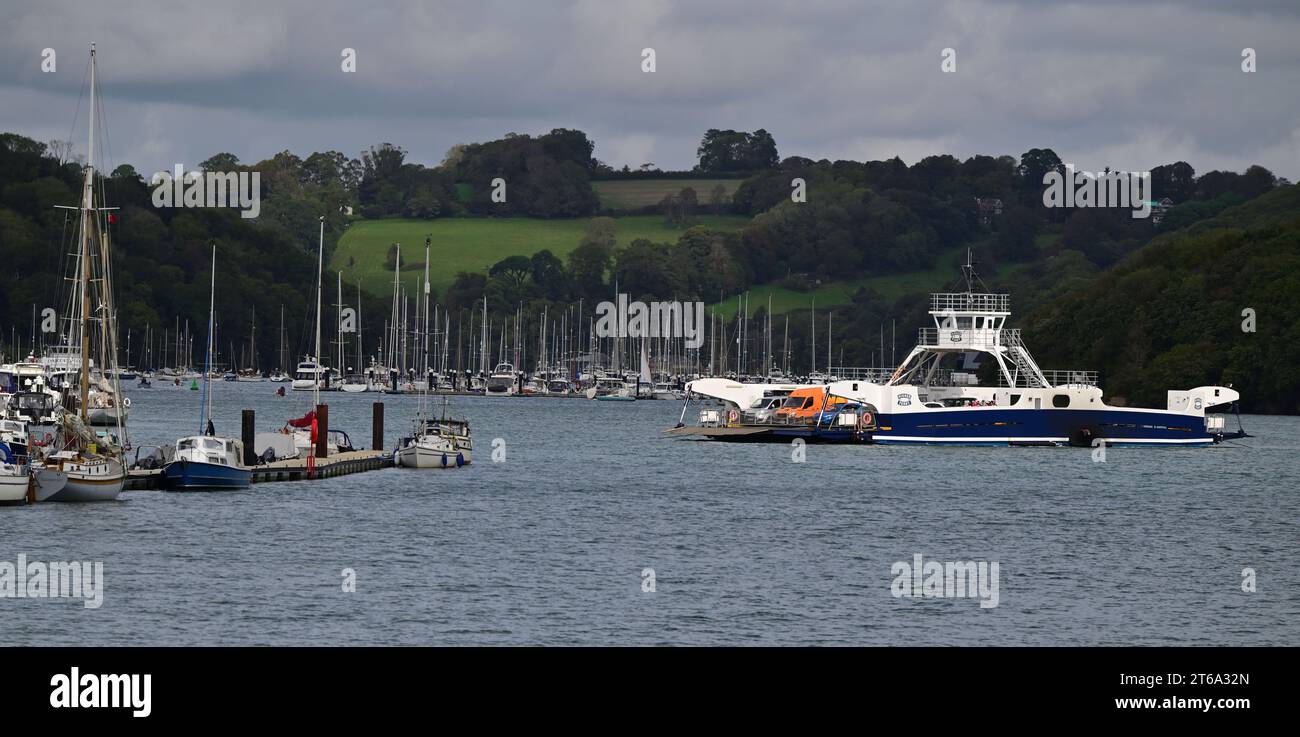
[
  {"x": 246, "y": 434},
  {"x": 322, "y": 430},
  {"x": 377, "y": 426}
]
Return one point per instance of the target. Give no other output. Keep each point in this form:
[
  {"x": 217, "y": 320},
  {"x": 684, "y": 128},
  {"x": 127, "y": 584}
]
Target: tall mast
[
  {"x": 392, "y": 338},
  {"x": 785, "y": 359},
  {"x": 87, "y": 218},
  {"x": 359, "y": 360},
  {"x": 813, "y": 342},
  {"x": 206, "y": 412},
  {"x": 340, "y": 309},
  {"x": 252, "y": 341},
  {"x": 425, "y": 350},
  {"x": 768, "y": 353},
  {"x": 320, "y": 263}
]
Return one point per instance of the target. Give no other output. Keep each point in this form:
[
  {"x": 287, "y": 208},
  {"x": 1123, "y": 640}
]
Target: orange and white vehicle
[{"x": 804, "y": 405}]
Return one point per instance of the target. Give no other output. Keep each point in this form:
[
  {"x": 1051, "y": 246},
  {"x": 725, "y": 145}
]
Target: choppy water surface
[{"x": 747, "y": 546}]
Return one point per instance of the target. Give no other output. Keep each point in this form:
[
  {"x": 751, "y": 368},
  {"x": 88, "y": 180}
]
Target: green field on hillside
[
  {"x": 831, "y": 294},
  {"x": 628, "y": 195},
  {"x": 475, "y": 244}
]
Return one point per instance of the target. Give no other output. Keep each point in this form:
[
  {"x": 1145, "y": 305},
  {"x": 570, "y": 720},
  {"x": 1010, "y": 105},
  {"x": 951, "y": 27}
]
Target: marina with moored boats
[{"x": 65, "y": 412}]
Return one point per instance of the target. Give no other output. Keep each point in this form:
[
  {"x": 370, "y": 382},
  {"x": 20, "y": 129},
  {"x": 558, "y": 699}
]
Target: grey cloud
[{"x": 1127, "y": 85}]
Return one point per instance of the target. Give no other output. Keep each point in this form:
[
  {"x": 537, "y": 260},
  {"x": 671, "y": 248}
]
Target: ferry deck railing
[
  {"x": 874, "y": 374},
  {"x": 969, "y": 302},
  {"x": 1061, "y": 377}
]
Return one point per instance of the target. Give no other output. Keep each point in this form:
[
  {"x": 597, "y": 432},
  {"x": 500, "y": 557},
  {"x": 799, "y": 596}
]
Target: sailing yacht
[
  {"x": 442, "y": 442},
  {"x": 310, "y": 375},
  {"x": 278, "y": 376},
  {"x": 354, "y": 382},
  {"x": 14, "y": 474},
  {"x": 251, "y": 373},
  {"x": 92, "y": 463},
  {"x": 206, "y": 460},
  {"x": 611, "y": 389}
]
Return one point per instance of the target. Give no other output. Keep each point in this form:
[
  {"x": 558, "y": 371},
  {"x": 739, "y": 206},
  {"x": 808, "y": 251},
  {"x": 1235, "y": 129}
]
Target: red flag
[{"x": 112, "y": 218}]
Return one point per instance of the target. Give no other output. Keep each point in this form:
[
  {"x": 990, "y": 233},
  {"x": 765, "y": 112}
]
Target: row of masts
[{"x": 420, "y": 338}]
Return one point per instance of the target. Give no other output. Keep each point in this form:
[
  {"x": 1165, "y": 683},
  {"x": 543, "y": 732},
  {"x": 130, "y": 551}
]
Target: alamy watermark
[
  {"x": 55, "y": 580},
  {"x": 77, "y": 690},
  {"x": 932, "y": 579},
  {"x": 1073, "y": 188},
  {"x": 241, "y": 189},
  {"x": 655, "y": 320}
]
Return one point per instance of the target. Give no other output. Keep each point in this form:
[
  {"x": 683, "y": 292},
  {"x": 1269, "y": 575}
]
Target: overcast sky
[{"x": 1129, "y": 84}]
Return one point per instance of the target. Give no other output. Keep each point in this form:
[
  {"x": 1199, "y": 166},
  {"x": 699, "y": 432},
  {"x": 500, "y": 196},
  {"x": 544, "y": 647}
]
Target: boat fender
[
  {"x": 733, "y": 416},
  {"x": 460, "y": 460},
  {"x": 444, "y": 460}
]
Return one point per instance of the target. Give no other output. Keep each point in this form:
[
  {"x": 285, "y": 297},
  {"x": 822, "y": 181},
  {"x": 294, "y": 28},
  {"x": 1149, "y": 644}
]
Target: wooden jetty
[
  {"x": 290, "y": 469},
  {"x": 319, "y": 464}
]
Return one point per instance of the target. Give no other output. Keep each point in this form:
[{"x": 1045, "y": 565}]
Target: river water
[{"x": 552, "y": 544}]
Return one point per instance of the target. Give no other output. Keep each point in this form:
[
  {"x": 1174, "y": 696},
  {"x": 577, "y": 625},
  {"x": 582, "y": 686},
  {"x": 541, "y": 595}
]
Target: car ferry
[{"x": 928, "y": 399}]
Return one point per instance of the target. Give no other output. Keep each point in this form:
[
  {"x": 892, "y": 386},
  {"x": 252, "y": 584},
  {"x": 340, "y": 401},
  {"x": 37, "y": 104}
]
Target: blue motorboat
[{"x": 206, "y": 462}]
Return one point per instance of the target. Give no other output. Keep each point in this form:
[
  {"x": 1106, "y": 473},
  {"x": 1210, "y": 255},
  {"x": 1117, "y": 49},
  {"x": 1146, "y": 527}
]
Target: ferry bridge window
[{"x": 1060, "y": 400}]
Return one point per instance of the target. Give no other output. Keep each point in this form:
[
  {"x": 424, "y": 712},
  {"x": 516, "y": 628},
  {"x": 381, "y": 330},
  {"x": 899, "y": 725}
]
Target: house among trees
[
  {"x": 1158, "y": 209},
  {"x": 988, "y": 208}
]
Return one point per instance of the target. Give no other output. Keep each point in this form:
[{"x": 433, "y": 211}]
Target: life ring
[
  {"x": 126, "y": 402},
  {"x": 733, "y": 416},
  {"x": 864, "y": 420}
]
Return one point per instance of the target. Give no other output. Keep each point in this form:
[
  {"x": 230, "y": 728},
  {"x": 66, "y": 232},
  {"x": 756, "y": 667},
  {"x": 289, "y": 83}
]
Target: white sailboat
[
  {"x": 304, "y": 428},
  {"x": 278, "y": 376},
  {"x": 252, "y": 373},
  {"x": 92, "y": 463},
  {"x": 15, "y": 475},
  {"x": 442, "y": 442}
]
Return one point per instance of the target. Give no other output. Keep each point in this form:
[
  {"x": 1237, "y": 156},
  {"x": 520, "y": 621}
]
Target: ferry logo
[
  {"x": 655, "y": 320},
  {"x": 95, "y": 691},
  {"x": 904, "y": 400},
  {"x": 931, "y": 579},
  {"x": 1108, "y": 189},
  {"x": 57, "y": 580},
  {"x": 239, "y": 189},
  {"x": 955, "y": 336}
]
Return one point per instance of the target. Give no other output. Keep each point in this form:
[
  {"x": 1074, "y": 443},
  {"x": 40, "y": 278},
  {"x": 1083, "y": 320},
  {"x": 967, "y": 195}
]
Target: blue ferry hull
[
  {"x": 1005, "y": 426},
  {"x": 192, "y": 475}
]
